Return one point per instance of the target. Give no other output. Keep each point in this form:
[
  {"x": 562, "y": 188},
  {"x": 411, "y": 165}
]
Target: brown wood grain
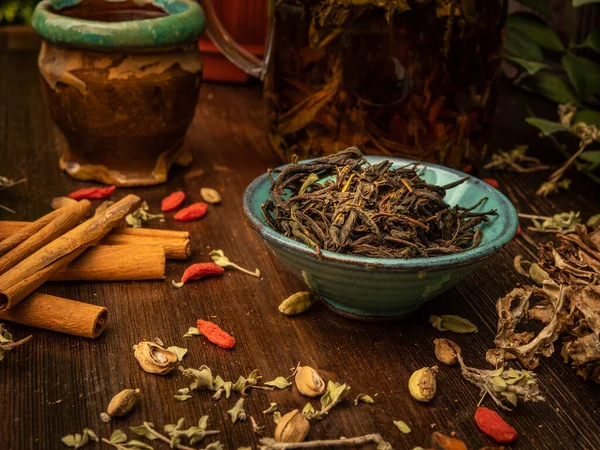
[{"x": 58, "y": 384}]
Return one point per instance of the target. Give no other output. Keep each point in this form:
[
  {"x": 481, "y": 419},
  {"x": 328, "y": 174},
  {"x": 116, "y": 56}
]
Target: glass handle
[{"x": 233, "y": 51}]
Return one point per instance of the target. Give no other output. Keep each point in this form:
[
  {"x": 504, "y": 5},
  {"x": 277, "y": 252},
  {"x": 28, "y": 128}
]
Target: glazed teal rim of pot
[
  {"x": 183, "y": 23},
  {"x": 506, "y": 211}
]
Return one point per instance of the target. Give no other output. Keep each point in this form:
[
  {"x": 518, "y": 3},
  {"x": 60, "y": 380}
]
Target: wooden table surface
[{"x": 57, "y": 384}]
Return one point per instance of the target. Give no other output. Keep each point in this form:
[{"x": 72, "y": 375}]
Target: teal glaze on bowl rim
[
  {"x": 183, "y": 23},
  {"x": 466, "y": 258}
]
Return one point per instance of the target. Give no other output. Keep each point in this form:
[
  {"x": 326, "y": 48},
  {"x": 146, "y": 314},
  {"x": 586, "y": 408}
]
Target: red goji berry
[
  {"x": 202, "y": 270},
  {"x": 518, "y": 231},
  {"x": 492, "y": 182},
  {"x": 172, "y": 201},
  {"x": 93, "y": 192},
  {"x": 215, "y": 334},
  {"x": 438, "y": 440},
  {"x": 494, "y": 426},
  {"x": 194, "y": 211},
  {"x": 468, "y": 168}
]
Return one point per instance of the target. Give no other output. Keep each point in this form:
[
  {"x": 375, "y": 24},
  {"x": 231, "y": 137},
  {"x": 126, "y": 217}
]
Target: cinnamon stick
[
  {"x": 175, "y": 247},
  {"x": 176, "y": 243},
  {"x": 13, "y": 233},
  {"x": 29, "y": 274},
  {"x": 116, "y": 263},
  {"x": 33, "y": 237},
  {"x": 59, "y": 314}
]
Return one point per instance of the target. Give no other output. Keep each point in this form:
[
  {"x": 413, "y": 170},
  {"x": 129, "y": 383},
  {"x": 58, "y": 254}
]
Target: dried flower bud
[
  {"x": 153, "y": 358},
  {"x": 296, "y": 303},
  {"x": 422, "y": 385},
  {"x": 292, "y": 427},
  {"x": 123, "y": 402},
  {"x": 210, "y": 196},
  {"x": 445, "y": 352},
  {"x": 308, "y": 382}
]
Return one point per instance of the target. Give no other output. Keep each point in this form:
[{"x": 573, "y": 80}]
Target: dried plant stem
[
  {"x": 11, "y": 345},
  {"x": 118, "y": 446},
  {"x": 168, "y": 441},
  {"x": 6, "y": 208},
  {"x": 375, "y": 438}
]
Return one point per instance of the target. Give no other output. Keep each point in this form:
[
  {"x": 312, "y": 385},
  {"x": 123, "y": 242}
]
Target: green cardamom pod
[
  {"x": 123, "y": 402},
  {"x": 296, "y": 303},
  {"x": 537, "y": 274}
]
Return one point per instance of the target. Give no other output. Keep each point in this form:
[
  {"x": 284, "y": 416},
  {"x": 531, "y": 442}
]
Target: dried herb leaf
[
  {"x": 141, "y": 430},
  {"x": 180, "y": 352},
  {"x": 7, "y": 343},
  {"x": 140, "y": 216},
  {"x": 279, "y": 383},
  {"x": 258, "y": 429},
  {"x": 308, "y": 409},
  {"x": 182, "y": 397},
  {"x": 520, "y": 382},
  {"x": 401, "y": 425},
  {"x": 363, "y": 398},
  {"x": 271, "y": 409},
  {"x": 453, "y": 323},
  {"x": 276, "y": 417},
  {"x": 220, "y": 259},
  {"x": 237, "y": 412},
  {"x": 139, "y": 445},
  {"x": 537, "y": 274},
  {"x": 192, "y": 331},
  {"x": 118, "y": 437},
  {"x": 79, "y": 440}
]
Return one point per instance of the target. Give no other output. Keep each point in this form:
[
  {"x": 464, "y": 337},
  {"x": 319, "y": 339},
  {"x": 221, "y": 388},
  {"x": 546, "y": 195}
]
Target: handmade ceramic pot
[
  {"x": 367, "y": 288},
  {"x": 122, "y": 80}
]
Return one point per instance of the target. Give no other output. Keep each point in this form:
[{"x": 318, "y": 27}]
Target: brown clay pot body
[{"x": 122, "y": 114}]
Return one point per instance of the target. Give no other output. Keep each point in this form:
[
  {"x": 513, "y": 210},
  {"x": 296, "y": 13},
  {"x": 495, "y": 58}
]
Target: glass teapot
[{"x": 412, "y": 78}]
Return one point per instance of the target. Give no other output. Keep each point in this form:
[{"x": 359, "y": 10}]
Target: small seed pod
[
  {"x": 296, "y": 303},
  {"x": 153, "y": 358},
  {"x": 445, "y": 351},
  {"x": 123, "y": 402},
  {"x": 309, "y": 382},
  {"x": 292, "y": 427},
  {"x": 210, "y": 196},
  {"x": 422, "y": 385}
]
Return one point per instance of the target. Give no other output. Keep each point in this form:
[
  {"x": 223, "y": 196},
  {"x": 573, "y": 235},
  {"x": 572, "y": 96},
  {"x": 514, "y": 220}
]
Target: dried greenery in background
[
  {"x": 7, "y": 183},
  {"x": 15, "y": 12},
  {"x": 530, "y": 42}
]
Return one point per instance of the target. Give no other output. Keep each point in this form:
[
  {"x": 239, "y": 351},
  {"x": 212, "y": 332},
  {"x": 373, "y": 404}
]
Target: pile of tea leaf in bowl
[{"x": 342, "y": 204}]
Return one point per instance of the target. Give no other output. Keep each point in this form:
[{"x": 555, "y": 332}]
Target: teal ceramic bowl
[{"x": 387, "y": 288}]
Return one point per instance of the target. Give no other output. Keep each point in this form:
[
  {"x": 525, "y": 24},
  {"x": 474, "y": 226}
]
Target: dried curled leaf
[
  {"x": 453, "y": 323},
  {"x": 364, "y": 398},
  {"x": 524, "y": 346},
  {"x": 237, "y": 412}
]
